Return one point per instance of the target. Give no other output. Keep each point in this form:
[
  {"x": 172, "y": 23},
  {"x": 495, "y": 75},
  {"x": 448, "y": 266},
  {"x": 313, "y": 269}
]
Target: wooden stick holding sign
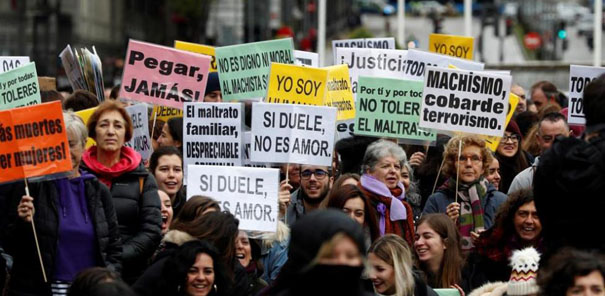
[
  {"x": 458, "y": 169},
  {"x": 36, "y": 237}
]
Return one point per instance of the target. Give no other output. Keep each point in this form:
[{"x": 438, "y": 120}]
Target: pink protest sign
[{"x": 162, "y": 75}]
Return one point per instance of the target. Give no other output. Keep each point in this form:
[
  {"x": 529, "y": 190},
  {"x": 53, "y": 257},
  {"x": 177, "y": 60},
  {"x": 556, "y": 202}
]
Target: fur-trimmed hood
[
  {"x": 177, "y": 237},
  {"x": 490, "y": 289}
]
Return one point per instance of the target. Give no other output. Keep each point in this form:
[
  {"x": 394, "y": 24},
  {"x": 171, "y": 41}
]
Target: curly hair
[
  {"x": 177, "y": 266},
  {"x": 451, "y": 153},
  {"x": 559, "y": 274}
]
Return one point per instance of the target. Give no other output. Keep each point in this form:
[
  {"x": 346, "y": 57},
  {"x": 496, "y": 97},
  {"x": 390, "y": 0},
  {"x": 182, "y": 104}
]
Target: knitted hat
[
  {"x": 514, "y": 128},
  {"x": 523, "y": 277},
  {"x": 213, "y": 83}
]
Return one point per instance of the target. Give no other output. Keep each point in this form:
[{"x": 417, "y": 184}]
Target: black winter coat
[
  {"x": 18, "y": 241},
  {"x": 137, "y": 203}
]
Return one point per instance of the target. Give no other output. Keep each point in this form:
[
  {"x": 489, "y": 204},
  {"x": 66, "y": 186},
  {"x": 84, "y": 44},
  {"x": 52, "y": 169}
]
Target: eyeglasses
[
  {"x": 319, "y": 174},
  {"x": 513, "y": 138},
  {"x": 472, "y": 158}
]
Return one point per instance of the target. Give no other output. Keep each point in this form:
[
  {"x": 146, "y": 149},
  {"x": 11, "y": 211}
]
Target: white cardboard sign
[
  {"x": 212, "y": 134},
  {"x": 10, "y": 63},
  {"x": 418, "y": 62},
  {"x": 250, "y": 194},
  {"x": 140, "y": 141},
  {"x": 465, "y": 101},
  {"x": 287, "y": 133},
  {"x": 579, "y": 77},
  {"x": 306, "y": 58}
]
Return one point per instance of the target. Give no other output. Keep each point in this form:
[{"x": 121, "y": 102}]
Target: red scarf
[{"x": 129, "y": 161}]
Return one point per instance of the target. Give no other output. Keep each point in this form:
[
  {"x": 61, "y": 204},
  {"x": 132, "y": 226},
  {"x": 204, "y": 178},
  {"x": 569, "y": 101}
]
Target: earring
[{"x": 215, "y": 289}]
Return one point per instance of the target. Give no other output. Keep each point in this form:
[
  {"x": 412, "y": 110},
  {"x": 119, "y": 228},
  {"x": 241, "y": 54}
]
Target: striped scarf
[{"x": 470, "y": 197}]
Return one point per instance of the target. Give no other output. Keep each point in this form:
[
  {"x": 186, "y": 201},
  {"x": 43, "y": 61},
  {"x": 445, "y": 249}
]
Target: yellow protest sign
[
  {"x": 452, "y": 45},
  {"x": 198, "y": 48},
  {"x": 291, "y": 84},
  {"x": 339, "y": 92},
  {"x": 493, "y": 142},
  {"x": 163, "y": 113},
  {"x": 85, "y": 115}
]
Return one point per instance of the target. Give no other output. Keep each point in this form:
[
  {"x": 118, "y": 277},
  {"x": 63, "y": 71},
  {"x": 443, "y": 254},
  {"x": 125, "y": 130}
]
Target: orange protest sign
[{"x": 33, "y": 142}]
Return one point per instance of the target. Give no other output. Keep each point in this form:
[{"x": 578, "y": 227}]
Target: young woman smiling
[{"x": 439, "y": 253}]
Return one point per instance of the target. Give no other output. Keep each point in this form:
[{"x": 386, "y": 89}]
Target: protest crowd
[{"x": 245, "y": 170}]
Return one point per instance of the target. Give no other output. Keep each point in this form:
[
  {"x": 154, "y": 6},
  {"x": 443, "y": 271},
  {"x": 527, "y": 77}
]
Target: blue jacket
[{"x": 438, "y": 201}]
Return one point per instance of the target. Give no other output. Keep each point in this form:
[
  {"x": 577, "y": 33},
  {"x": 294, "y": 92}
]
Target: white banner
[
  {"x": 212, "y": 134},
  {"x": 250, "y": 194},
  {"x": 286, "y": 133},
  {"x": 418, "y": 61},
  {"x": 579, "y": 77},
  {"x": 10, "y": 63},
  {"x": 140, "y": 141},
  {"x": 386, "y": 63},
  {"x": 465, "y": 101},
  {"x": 306, "y": 58},
  {"x": 383, "y": 43},
  {"x": 247, "y": 151}
]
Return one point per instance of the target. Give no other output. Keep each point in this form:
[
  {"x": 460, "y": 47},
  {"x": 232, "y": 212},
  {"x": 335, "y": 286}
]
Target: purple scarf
[{"x": 398, "y": 211}]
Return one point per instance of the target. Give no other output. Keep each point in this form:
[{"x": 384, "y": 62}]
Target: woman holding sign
[
  {"x": 467, "y": 194},
  {"x": 76, "y": 225},
  {"x": 134, "y": 190},
  {"x": 381, "y": 182}
]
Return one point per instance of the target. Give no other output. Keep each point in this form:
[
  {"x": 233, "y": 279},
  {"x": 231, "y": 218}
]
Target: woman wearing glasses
[
  {"x": 512, "y": 158},
  {"x": 474, "y": 208},
  {"x": 381, "y": 183}
]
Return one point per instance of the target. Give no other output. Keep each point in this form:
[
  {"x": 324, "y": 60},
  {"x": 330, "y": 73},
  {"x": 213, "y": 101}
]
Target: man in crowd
[
  {"x": 551, "y": 126},
  {"x": 315, "y": 184},
  {"x": 544, "y": 93}
]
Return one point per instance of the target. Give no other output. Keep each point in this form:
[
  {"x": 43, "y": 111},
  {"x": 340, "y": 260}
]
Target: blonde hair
[{"x": 395, "y": 251}]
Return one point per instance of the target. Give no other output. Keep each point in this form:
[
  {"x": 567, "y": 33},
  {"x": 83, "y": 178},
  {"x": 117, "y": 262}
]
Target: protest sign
[
  {"x": 390, "y": 108},
  {"x": 163, "y": 113},
  {"x": 305, "y": 58},
  {"x": 244, "y": 69},
  {"x": 19, "y": 87},
  {"x": 10, "y": 63},
  {"x": 162, "y": 75},
  {"x": 140, "y": 141},
  {"x": 247, "y": 148},
  {"x": 291, "y": 84},
  {"x": 380, "y": 43},
  {"x": 339, "y": 92},
  {"x": 212, "y": 134},
  {"x": 387, "y": 63},
  {"x": 418, "y": 61},
  {"x": 463, "y": 101},
  {"x": 579, "y": 77},
  {"x": 250, "y": 194},
  {"x": 198, "y": 48},
  {"x": 72, "y": 69},
  {"x": 493, "y": 142},
  {"x": 286, "y": 133},
  {"x": 85, "y": 115},
  {"x": 452, "y": 45},
  {"x": 33, "y": 142}
]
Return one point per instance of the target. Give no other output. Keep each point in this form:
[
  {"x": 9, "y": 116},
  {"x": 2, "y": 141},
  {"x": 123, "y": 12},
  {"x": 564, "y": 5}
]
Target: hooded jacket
[
  {"x": 137, "y": 203},
  {"x": 18, "y": 240},
  {"x": 299, "y": 277}
]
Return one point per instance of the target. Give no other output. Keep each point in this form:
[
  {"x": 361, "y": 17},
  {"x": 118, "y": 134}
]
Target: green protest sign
[
  {"x": 19, "y": 87},
  {"x": 389, "y": 107},
  {"x": 244, "y": 69}
]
